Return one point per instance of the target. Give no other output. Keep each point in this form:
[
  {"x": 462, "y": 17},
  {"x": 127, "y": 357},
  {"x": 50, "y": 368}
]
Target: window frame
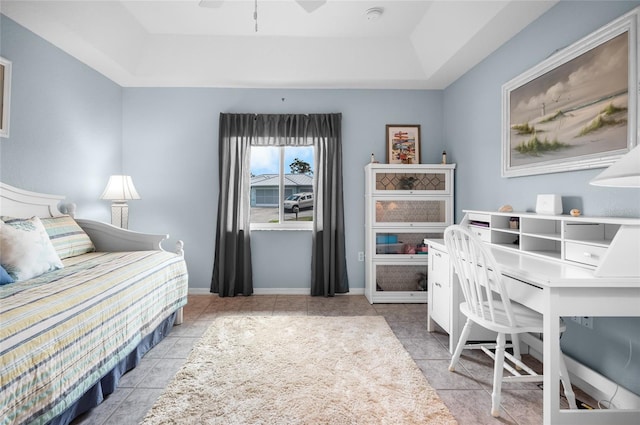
[{"x": 282, "y": 224}]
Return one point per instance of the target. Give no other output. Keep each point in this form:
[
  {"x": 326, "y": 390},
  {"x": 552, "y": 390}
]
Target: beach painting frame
[
  {"x": 578, "y": 109},
  {"x": 403, "y": 143}
]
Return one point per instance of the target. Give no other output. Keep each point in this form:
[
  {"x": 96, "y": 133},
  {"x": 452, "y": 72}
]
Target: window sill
[{"x": 269, "y": 228}]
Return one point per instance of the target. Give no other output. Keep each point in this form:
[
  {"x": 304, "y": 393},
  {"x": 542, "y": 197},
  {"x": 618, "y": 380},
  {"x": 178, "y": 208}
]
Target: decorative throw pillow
[
  {"x": 4, "y": 277},
  {"x": 26, "y": 250},
  {"x": 67, "y": 237}
]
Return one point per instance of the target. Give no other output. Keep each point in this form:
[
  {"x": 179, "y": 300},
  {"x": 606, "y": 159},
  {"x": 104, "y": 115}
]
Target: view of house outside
[{"x": 297, "y": 177}]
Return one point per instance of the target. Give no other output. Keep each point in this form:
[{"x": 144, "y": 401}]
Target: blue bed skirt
[{"x": 96, "y": 394}]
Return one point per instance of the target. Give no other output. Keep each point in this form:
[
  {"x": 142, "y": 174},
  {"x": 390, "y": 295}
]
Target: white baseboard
[
  {"x": 600, "y": 387},
  {"x": 281, "y": 291},
  {"x": 597, "y": 386},
  {"x": 276, "y": 291},
  {"x": 199, "y": 291}
]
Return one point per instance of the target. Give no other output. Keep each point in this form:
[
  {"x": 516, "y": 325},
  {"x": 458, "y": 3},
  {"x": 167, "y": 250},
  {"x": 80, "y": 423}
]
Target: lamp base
[{"x": 120, "y": 214}]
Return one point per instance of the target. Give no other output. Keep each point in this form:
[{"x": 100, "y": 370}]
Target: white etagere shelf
[
  {"x": 404, "y": 205},
  {"x": 594, "y": 242}
]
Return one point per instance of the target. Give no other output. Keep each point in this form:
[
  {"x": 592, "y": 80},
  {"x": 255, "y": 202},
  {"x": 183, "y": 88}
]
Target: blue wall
[
  {"x": 66, "y": 123},
  {"x": 179, "y": 188},
  {"x": 472, "y": 123}
]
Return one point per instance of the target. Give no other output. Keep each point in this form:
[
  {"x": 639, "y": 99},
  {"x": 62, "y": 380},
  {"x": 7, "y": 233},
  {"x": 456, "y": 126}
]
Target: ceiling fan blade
[
  {"x": 310, "y": 5},
  {"x": 211, "y": 4}
]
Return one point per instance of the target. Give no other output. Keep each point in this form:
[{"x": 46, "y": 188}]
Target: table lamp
[
  {"x": 120, "y": 189},
  {"x": 625, "y": 172}
]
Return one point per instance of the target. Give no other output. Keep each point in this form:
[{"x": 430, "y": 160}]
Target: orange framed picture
[{"x": 403, "y": 143}]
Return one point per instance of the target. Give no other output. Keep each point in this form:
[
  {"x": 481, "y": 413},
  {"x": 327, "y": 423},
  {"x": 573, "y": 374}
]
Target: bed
[{"x": 67, "y": 335}]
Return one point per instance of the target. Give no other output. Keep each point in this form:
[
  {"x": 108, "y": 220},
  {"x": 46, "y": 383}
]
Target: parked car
[{"x": 298, "y": 201}]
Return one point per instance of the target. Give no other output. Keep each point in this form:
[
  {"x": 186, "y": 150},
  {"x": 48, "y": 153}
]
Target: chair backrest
[{"x": 479, "y": 275}]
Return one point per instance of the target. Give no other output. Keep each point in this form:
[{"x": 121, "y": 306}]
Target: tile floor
[{"x": 465, "y": 392}]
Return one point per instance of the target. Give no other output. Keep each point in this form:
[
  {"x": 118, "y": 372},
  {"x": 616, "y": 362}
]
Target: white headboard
[{"x": 16, "y": 202}]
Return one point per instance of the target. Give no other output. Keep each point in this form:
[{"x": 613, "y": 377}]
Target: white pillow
[{"x": 26, "y": 250}]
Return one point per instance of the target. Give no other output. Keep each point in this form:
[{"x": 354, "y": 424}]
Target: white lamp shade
[
  {"x": 120, "y": 188},
  {"x": 623, "y": 173}
]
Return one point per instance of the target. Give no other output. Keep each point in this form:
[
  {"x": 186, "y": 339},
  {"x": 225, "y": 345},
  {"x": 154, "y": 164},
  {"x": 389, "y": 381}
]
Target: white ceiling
[{"x": 415, "y": 44}]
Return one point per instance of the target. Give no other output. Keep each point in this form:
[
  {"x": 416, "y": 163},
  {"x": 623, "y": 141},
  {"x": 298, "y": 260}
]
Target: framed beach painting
[
  {"x": 403, "y": 144},
  {"x": 5, "y": 96},
  {"x": 578, "y": 108}
]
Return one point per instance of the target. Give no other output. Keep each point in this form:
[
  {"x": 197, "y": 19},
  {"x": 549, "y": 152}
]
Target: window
[{"x": 282, "y": 187}]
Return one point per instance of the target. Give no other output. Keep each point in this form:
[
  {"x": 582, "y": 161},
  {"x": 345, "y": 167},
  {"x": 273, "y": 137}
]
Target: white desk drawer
[
  {"x": 583, "y": 253},
  {"x": 483, "y": 233},
  {"x": 525, "y": 294},
  {"x": 480, "y": 217},
  {"x": 441, "y": 306}
]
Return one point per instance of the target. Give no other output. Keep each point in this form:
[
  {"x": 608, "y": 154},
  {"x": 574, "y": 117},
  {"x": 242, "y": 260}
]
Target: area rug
[{"x": 299, "y": 370}]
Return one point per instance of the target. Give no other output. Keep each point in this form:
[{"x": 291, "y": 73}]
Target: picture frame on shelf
[
  {"x": 403, "y": 143},
  {"x": 5, "y": 96},
  {"x": 578, "y": 108}
]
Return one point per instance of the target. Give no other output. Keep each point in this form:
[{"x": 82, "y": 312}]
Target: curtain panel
[
  {"x": 232, "y": 265},
  {"x": 232, "y": 273},
  {"x": 328, "y": 260}
]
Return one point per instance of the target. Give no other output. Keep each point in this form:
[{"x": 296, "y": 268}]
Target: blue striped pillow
[
  {"x": 5, "y": 277},
  {"x": 67, "y": 236}
]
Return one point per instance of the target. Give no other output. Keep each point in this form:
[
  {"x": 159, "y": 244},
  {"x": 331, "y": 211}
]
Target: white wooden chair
[{"x": 487, "y": 304}]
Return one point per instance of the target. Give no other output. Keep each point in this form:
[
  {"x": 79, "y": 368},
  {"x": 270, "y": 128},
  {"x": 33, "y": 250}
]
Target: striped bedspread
[{"x": 62, "y": 331}]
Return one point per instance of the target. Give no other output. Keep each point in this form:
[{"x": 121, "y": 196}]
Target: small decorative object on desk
[
  {"x": 506, "y": 208},
  {"x": 549, "y": 204},
  {"x": 575, "y": 212},
  {"x": 444, "y": 157}
]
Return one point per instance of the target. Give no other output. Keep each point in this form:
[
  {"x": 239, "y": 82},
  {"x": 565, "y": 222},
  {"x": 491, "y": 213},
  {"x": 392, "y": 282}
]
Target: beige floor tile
[
  {"x": 134, "y": 408},
  {"x": 473, "y": 407},
  {"x": 427, "y": 348},
  {"x": 100, "y": 414},
  {"x": 438, "y": 375},
  {"x": 161, "y": 373}
]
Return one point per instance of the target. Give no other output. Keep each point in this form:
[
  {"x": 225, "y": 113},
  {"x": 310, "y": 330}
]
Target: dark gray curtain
[
  {"x": 329, "y": 260},
  {"x": 232, "y": 273},
  {"x": 232, "y": 265}
]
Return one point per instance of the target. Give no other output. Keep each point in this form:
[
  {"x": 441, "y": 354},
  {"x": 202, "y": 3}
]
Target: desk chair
[{"x": 487, "y": 304}]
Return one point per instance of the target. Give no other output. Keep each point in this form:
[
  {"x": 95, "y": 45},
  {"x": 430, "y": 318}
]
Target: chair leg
[
  {"x": 566, "y": 383},
  {"x": 515, "y": 341},
  {"x": 461, "y": 343},
  {"x": 497, "y": 375}
]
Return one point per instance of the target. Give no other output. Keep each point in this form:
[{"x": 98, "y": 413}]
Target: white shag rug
[{"x": 299, "y": 370}]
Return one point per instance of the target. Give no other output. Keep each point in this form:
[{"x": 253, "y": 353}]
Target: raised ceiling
[{"x": 414, "y": 44}]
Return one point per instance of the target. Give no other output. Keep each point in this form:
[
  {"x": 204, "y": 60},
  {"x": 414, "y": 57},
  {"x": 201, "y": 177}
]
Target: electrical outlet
[
  {"x": 587, "y": 321},
  {"x": 360, "y": 256}
]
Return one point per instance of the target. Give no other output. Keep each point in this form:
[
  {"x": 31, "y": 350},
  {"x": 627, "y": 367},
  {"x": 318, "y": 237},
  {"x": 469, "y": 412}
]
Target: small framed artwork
[
  {"x": 578, "y": 108},
  {"x": 5, "y": 96},
  {"x": 403, "y": 144}
]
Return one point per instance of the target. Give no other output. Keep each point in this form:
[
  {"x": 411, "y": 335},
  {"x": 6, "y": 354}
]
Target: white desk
[{"x": 558, "y": 289}]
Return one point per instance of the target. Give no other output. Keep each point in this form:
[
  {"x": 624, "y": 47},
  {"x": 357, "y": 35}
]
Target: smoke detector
[{"x": 373, "y": 13}]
